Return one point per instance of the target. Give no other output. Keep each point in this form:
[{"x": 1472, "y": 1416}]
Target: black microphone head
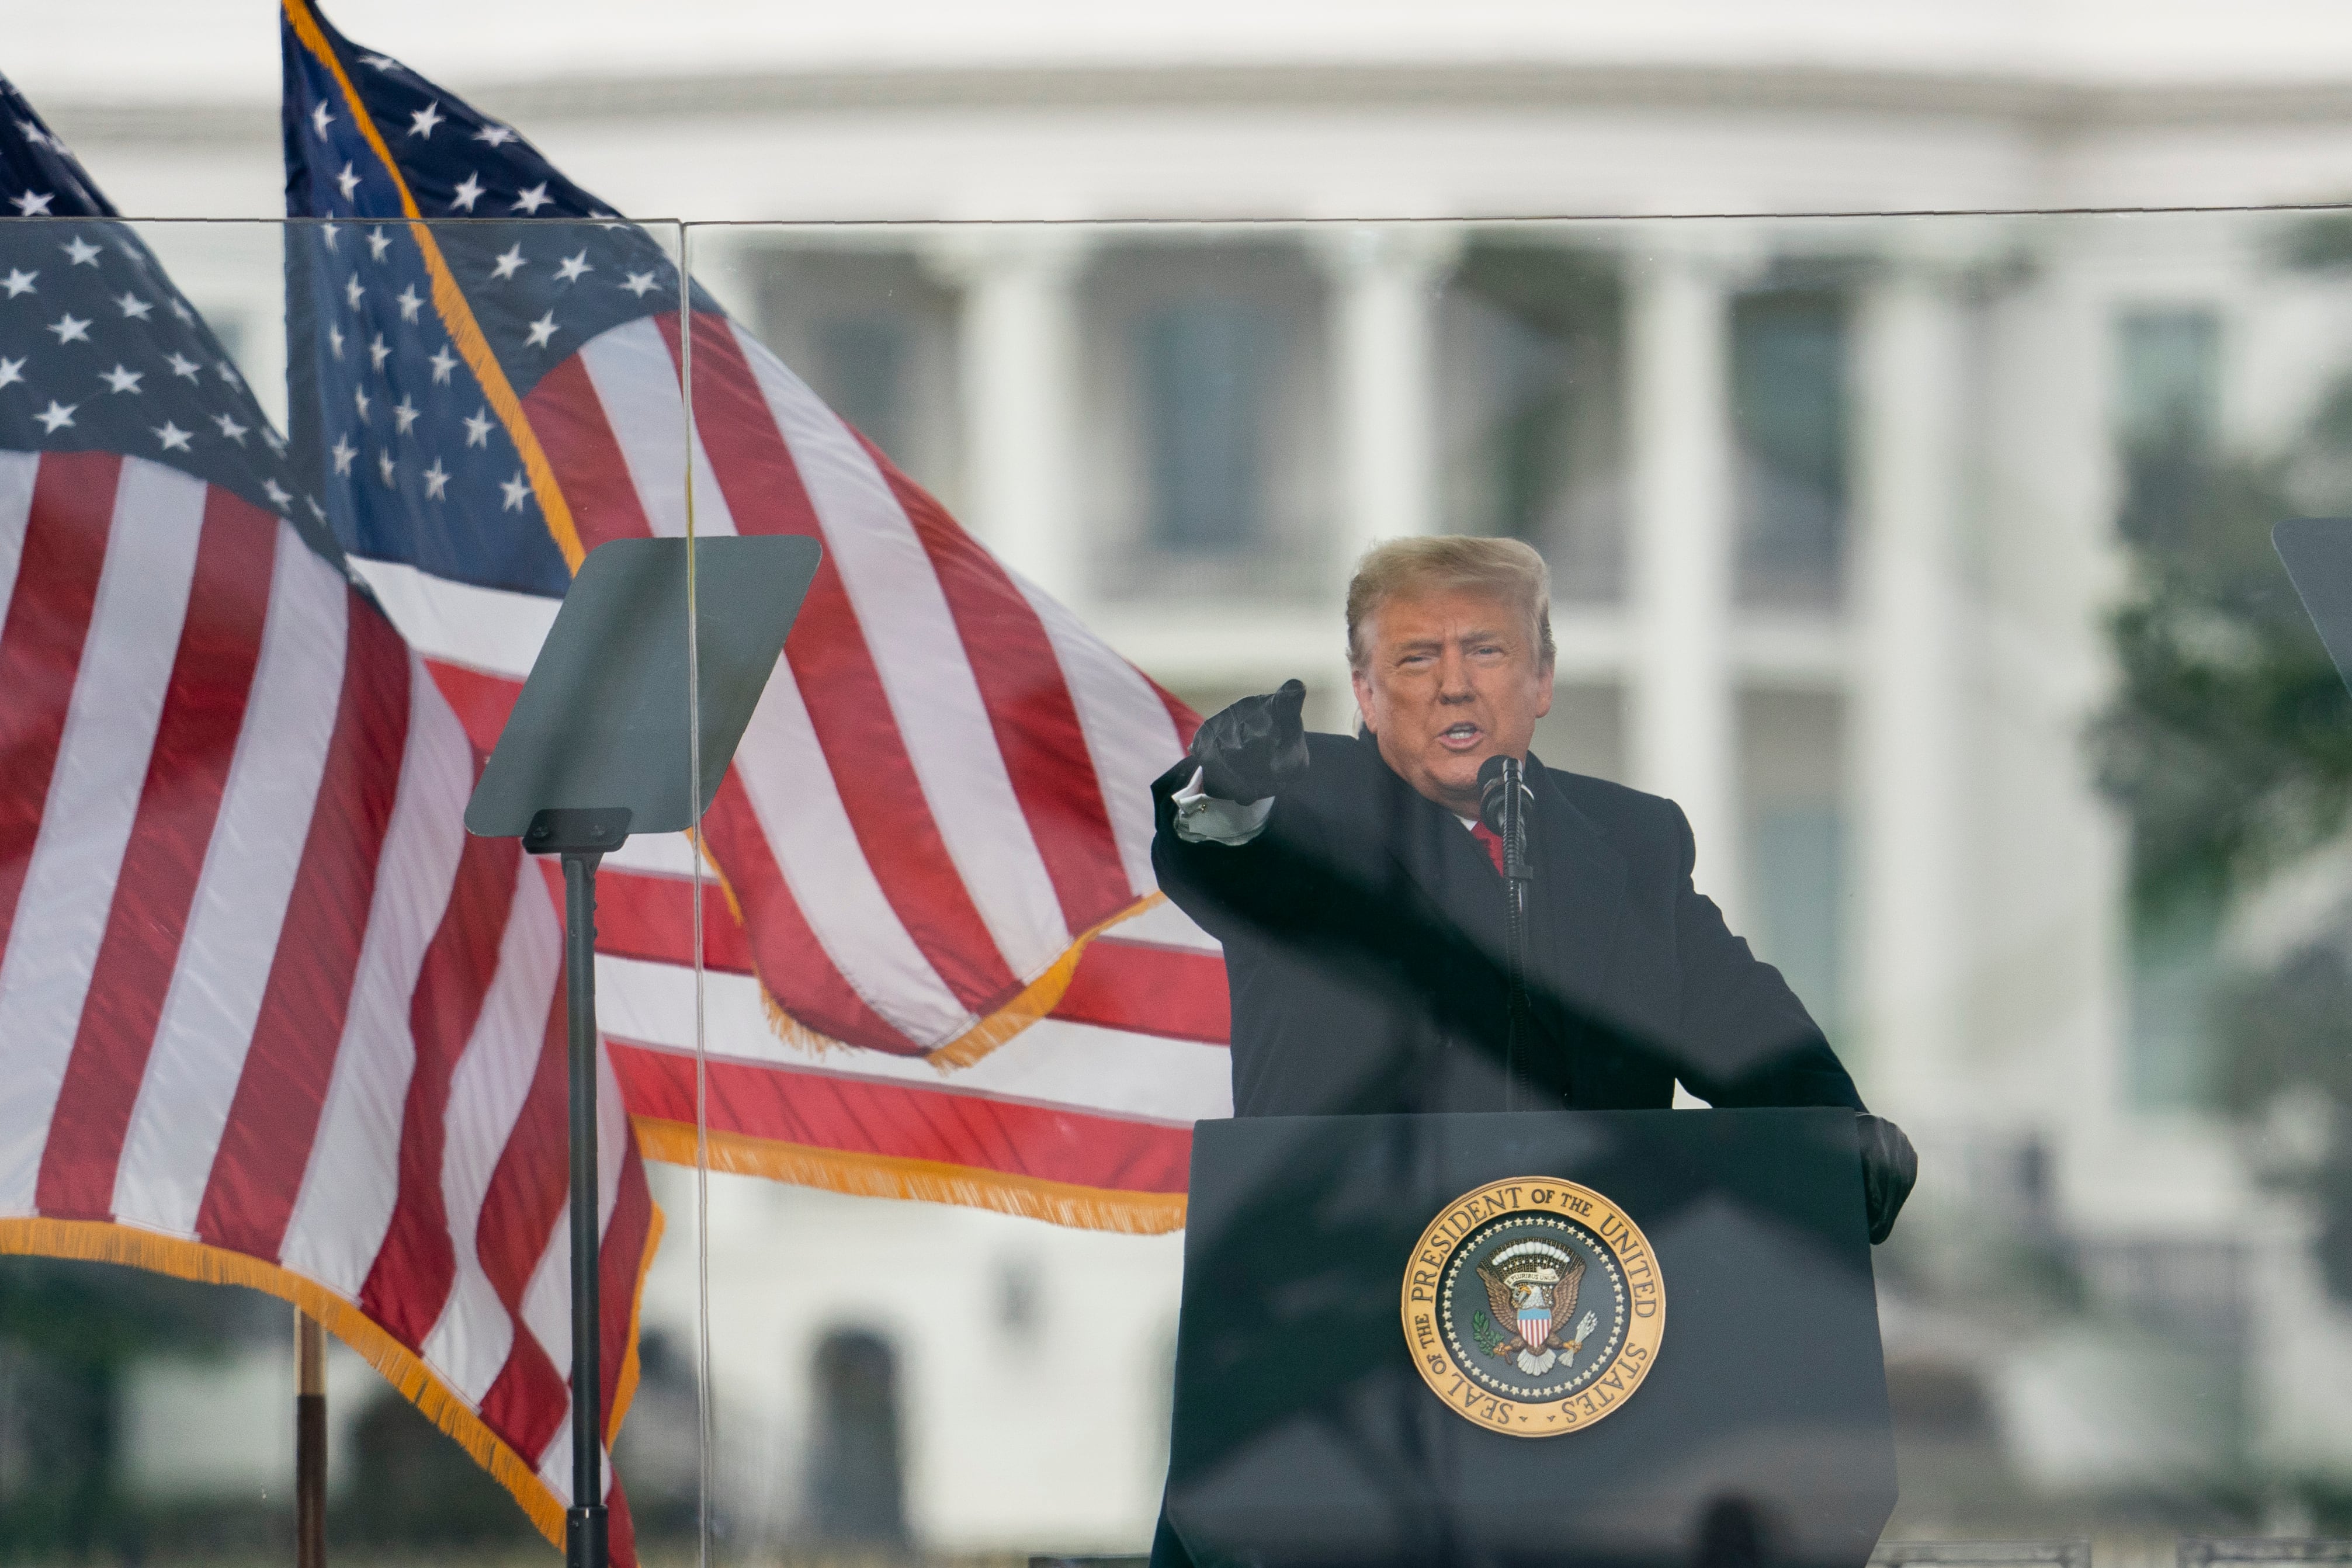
[{"x": 1498, "y": 776}]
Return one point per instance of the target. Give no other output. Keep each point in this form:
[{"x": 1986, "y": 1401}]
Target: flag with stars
[
  {"x": 938, "y": 964},
  {"x": 270, "y": 1017}
]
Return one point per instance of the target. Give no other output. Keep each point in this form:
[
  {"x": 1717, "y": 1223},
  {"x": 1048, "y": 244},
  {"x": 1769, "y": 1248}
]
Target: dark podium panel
[{"x": 1304, "y": 1435}]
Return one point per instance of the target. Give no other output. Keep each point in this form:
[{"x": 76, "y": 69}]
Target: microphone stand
[{"x": 1503, "y": 805}]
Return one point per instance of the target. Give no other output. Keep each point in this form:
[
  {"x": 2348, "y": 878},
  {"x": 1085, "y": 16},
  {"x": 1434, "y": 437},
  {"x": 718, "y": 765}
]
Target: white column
[
  {"x": 1384, "y": 285},
  {"x": 1018, "y": 353},
  {"x": 2053, "y": 862},
  {"x": 1909, "y": 710},
  {"x": 1683, "y": 727}
]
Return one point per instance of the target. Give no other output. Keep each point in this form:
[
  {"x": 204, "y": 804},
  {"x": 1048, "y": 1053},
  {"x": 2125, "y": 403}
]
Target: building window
[
  {"x": 2167, "y": 377},
  {"x": 860, "y": 370},
  {"x": 2166, "y": 414},
  {"x": 2175, "y": 968},
  {"x": 1585, "y": 730},
  {"x": 873, "y": 335},
  {"x": 1204, "y": 401},
  {"x": 1530, "y": 407},
  {"x": 1203, "y": 422},
  {"x": 229, "y": 327},
  {"x": 1791, "y": 426},
  {"x": 1793, "y": 759},
  {"x": 856, "y": 1464},
  {"x": 1798, "y": 857},
  {"x": 2167, "y": 406}
]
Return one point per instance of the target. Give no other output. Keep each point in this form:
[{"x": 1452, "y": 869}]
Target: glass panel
[
  {"x": 1925, "y": 564},
  {"x": 288, "y": 512}
]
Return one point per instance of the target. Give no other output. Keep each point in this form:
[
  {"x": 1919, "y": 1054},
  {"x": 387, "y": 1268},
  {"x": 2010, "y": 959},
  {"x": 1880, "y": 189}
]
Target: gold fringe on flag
[
  {"x": 1036, "y": 1000},
  {"x": 102, "y": 1242},
  {"x": 869, "y": 1175},
  {"x": 928, "y": 1181}
]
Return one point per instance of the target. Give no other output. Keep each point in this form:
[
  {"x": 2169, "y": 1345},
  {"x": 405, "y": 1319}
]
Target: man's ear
[
  {"x": 1543, "y": 693},
  {"x": 1363, "y": 688}
]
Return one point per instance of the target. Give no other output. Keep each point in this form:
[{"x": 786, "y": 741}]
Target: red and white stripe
[
  {"x": 259, "y": 990},
  {"x": 945, "y": 784}
]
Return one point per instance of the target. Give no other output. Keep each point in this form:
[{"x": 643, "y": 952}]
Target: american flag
[
  {"x": 952, "y": 975},
  {"x": 271, "y": 1017}
]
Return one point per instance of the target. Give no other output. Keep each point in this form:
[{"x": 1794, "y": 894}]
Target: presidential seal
[{"x": 1533, "y": 1306}]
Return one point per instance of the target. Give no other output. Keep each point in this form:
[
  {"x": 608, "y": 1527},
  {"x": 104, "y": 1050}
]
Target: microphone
[
  {"x": 1504, "y": 799},
  {"x": 1498, "y": 779}
]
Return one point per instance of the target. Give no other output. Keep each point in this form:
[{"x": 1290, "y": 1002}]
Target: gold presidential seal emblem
[{"x": 1533, "y": 1306}]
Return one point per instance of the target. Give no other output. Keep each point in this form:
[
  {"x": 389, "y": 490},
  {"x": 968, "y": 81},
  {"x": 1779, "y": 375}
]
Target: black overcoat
[{"x": 1363, "y": 936}]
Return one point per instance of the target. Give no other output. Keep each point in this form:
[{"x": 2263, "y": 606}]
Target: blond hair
[{"x": 1506, "y": 568}]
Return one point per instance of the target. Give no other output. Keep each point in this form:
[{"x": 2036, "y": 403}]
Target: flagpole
[{"x": 309, "y": 1441}]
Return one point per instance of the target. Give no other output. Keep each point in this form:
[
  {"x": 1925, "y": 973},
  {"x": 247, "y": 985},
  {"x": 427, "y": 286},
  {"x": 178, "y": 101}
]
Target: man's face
[{"x": 1450, "y": 679}]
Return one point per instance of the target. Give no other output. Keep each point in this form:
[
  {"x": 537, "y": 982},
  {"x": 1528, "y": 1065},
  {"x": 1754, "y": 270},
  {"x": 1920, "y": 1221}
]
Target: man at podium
[{"x": 1361, "y": 898}]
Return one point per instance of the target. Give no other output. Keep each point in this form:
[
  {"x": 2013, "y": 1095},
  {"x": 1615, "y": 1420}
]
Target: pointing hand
[{"x": 1254, "y": 748}]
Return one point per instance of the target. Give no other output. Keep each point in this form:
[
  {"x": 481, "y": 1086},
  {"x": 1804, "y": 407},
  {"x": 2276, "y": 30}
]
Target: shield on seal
[{"x": 1535, "y": 1316}]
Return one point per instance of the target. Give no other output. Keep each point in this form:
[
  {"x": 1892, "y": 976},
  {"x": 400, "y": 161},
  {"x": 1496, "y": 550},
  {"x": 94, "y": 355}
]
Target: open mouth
[{"x": 1460, "y": 737}]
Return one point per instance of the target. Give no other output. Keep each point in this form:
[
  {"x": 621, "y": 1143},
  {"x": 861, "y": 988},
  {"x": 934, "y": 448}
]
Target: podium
[{"x": 1316, "y": 1424}]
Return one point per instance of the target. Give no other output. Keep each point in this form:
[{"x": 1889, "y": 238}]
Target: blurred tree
[
  {"x": 2229, "y": 744},
  {"x": 2230, "y": 741},
  {"x": 2291, "y": 1027}
]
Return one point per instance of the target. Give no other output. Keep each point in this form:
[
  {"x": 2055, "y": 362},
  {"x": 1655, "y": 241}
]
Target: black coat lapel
[
  {"x": 1580, "y": 890},
  {"x": 1577, "y": 918},
  {"x": 1443, "y": 861}
]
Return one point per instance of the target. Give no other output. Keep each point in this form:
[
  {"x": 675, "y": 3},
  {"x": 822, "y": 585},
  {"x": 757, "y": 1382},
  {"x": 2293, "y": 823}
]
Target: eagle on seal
[{"x": 1531, "y": 1290}]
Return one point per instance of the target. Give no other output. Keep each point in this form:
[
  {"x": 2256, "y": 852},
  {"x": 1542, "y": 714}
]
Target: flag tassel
[{"x": 927, "y": 1181}]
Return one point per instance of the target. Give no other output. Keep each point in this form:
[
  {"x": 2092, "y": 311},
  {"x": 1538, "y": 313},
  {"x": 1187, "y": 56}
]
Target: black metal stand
[
  {"x": 1504, "y": 808},
  {"x": 584, "y": 1544},
  {"x": 581, "y": 837}
]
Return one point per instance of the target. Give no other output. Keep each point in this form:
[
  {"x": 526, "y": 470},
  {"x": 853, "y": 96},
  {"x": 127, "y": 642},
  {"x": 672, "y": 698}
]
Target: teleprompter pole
[{"x": 584, "y": 1542}]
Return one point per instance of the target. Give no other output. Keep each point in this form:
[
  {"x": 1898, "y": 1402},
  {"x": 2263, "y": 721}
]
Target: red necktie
[{"x": 1492, "y": 841}]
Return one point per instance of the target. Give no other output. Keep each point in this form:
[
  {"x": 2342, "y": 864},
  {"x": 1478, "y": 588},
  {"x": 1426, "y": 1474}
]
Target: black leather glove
[
  {"x": 1889, "y": 1167},
  {"x": 1254, "y": 748}
]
